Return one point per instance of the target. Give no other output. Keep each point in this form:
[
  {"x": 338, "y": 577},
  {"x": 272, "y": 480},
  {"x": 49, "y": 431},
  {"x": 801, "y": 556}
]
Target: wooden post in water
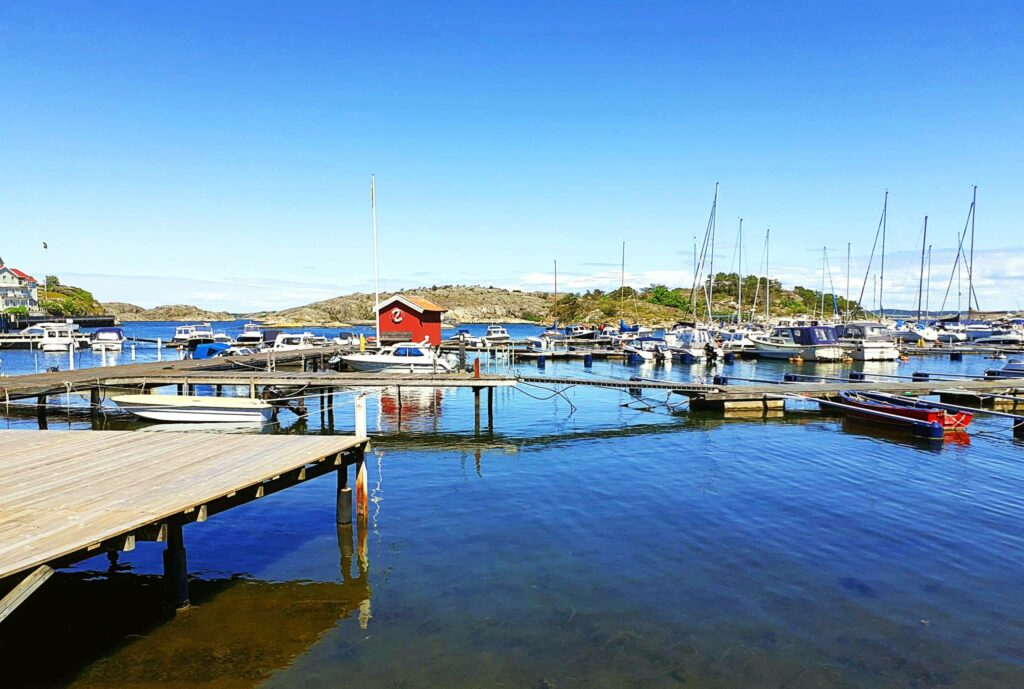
[
  {"x": 41, "y": 412},
  {"x": 362, "y": 492},
  {"x": 175, "y": 567},
  {"x": 490, "y": 409},
  {"x": 344, "y": 502},
  {"x": 330, "y": 408},
  {"x": 219, "y": 390},
  {"x": 476, "y": 408},
  {"x": 94, "y": 405}
]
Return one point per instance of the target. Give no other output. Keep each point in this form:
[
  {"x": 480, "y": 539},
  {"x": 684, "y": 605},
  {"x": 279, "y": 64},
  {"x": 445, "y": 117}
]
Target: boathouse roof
[{"x": 418, "y": 304}]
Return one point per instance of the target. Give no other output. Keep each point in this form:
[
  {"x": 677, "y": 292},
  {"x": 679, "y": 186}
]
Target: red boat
[{"x": 890, "y": 409}]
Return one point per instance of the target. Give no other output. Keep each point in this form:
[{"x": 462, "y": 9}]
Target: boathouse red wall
[{"x": 406, "y": 317}]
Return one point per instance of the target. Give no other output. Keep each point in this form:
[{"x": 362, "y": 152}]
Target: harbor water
[{"x": 587, "y": 539}]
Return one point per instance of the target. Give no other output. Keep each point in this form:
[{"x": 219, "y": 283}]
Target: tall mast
[
  {"x": 767, "y": 280},
  {"x": 920, "y": 280},
  {"x": 822, "y": 283},
  {"x": 881, "y": 285},
  {"x": 622, "y": 286},
  {"x": 376, "y": 275},
  {"x": 848, "y": 282},
  {"x": 928, "y": 289},
  {"x": 556, "y": 295},
  {"x": 711, "y": 264},
  {"x": 739, "y": 276},
  {"x": 970, "y": 264}
]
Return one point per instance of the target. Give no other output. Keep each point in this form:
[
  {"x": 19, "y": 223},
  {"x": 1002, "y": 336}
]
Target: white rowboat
[{"x": 193, "y": 409}]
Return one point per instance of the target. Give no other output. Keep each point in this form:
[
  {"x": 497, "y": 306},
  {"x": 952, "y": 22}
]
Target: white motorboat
[
  {"x": 1014, "y": 368},
  {"x": 464, "y": 336},
  {"x": 192, "y": 335},
  {"x": 285, "y": 342},
  {"x": 55, "y": 337},
  {"x": 868, "y": 341},
  {"x": 345, "y": 339},
  {"x": 495, "y": 335},
  {"x": 649, "y": 349},
  {"x": 193, "y": 409},
  {"x": 1006, "y": 338},
  {"x": 547, "y": 343},
  {"x": 579, "y": 332},
  {"x": 405, "y": 357},
  {"x": 812, "y": 343},
  {"x": 913, "y": 332},
  {"x": 251, "y": 336},
  {"x": 691, "y": 343},
  {"x": 107, "y": 340}
]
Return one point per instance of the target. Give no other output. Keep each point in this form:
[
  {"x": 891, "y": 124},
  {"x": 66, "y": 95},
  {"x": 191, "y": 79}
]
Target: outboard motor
[{"x": 709, "y": 353}]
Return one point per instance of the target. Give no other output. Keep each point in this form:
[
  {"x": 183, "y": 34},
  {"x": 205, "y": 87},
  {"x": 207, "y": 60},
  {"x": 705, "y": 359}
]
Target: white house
[{"x": 17, "y": 289}]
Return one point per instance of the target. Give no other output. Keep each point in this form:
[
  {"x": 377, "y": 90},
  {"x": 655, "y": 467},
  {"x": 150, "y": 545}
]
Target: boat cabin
[
  {"x": 864, "y": 331},
  {"x": 807, "y": 336}
]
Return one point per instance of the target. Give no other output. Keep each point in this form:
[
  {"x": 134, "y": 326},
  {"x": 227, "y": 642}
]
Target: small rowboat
[
  {"x": 193, "y": 409},
  {"x": 892, "y": 410}
]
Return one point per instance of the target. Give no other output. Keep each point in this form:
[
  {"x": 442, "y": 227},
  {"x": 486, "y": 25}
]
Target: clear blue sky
[{"x": 219, "y": 153}]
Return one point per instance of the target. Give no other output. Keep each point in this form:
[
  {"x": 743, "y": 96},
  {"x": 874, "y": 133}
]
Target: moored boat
[
  {"x": 406, "y": 357},
  {"x": 195, "y": 409},
  {"x": 868, "y": 341},
  {"x": 1014, "y": 368},
  {"x": 812, "y": 343},
  {"x": 649, "y": 349},
  {"x": 893, "y": 410},
  {"x": 107, "y": 339}
]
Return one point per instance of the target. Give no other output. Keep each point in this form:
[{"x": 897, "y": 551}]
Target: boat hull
[
  {"x": 195, "y": 409},
  {"x": 908, "y": 413},
  {"x": 366, "y": 364}
]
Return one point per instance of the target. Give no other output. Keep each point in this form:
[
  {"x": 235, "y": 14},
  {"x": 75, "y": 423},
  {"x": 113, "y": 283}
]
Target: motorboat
[
  {"x": 906, "y": 331},
  {"x": 285, "y": 342},
  {"x": 345, "y": 339},
  {"x": 191, "y": 335},
  {"x": 405, "y": 357},
  {"x": 690, "y": 343},
  {"x": 55, "y": 337},
  {"x": 223, "y": 338},
  {"x": 195, "y": 409},
  {"x": 579, "y": 332},
  {"x": 495, "y": 335},
  {"x": 1004, "y": 338},
  {"x": 736, "y": 340},
  {"x": 251, "y": 336},
  {"x": 547, "y": 343},
  {"x": 907, "y": 411},
  {"x": 463, "y": 336},
  {"x": 1014, "y": 368},
  {"x": 107, "y": 340},
  {"x": 649, "y": 349},
  {"x": 811, "y": 343},
  {"x": 868, "y": 341}
]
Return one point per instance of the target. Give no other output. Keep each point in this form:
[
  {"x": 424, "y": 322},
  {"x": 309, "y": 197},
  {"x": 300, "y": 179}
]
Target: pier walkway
[{"x": 65, "y": 497}]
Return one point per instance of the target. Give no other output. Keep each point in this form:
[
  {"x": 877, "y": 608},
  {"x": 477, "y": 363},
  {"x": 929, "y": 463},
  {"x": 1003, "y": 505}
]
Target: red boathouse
[{"x": 407, "y": 318}]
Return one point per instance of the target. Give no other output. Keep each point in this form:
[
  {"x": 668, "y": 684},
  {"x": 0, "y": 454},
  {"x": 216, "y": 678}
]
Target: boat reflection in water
[{"x": 410, "y": 409}]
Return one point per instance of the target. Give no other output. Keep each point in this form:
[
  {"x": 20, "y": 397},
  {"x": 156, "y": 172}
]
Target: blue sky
[{"x": 220, "y": 153}]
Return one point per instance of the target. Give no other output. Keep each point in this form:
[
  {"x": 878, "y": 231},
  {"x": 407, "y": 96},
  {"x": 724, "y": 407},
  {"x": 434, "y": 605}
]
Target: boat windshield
[{"x": 408, "y": 351}]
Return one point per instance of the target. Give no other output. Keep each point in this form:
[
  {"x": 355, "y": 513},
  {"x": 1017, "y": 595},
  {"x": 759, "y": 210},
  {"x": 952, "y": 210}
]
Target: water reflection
[{"x": 237, "y": 633}]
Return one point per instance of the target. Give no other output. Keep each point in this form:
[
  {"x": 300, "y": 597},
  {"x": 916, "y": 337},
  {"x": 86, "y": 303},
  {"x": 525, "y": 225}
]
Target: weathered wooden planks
[{"x": 62, "y": 493}]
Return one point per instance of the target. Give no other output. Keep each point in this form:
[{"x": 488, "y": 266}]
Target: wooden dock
[{"x": 68, "y": 496}]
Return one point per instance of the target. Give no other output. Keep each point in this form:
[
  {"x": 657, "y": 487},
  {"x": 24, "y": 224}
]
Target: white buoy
[
  {"x": 159, "y": 349},
  {"x": 133, "y": 352}
]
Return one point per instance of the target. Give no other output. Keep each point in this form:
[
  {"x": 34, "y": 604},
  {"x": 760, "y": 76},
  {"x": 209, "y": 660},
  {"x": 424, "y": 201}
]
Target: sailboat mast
[
  {"x": 556, "y": 295},
  {"x": 622, "y": 285},
  {"x": 767, "y": 281},
  {"x": 881, "y": 285},
  {"x": 928, "y": 289},
  {"x": 376, "y": 274},
  {"x": 970, "y": 264},
  {"x": 822, "y": 283},
  {"x": 848, "y": 282},
  {"x": 711, "y": 263},
  {"x": 920, "y": 280},
  {"x": 739, "y": 276}
]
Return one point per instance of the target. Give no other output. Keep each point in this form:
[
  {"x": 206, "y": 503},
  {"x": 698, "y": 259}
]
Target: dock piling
[
  {"x": 175, "y": 566},
  {"x": 490, "y": 409},
  {"x": 344, "y": 501},
  {"x": 41, "y": 412},
  {"x": 362, "y": 492}
]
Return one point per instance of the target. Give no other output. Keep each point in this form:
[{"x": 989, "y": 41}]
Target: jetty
[{"x": 65, "y": 497}]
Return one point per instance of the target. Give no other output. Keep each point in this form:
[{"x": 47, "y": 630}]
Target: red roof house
[{"x": 408, "y": 318}]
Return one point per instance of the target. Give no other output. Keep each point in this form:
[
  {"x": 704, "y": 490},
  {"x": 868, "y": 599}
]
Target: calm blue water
[{"x": 589, "y": 540}]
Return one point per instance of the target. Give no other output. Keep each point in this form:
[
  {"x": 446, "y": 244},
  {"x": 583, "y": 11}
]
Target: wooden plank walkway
[
  {"x": 67, "y": 495},
  {"x": 85, "y": 379},
  {"x": 324, "y": 379}
]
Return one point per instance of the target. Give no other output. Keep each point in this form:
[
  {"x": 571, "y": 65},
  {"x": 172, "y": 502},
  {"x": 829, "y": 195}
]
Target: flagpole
[
  {"x": 376, "y": 277},
  {"x": 39, "y": 294}
]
